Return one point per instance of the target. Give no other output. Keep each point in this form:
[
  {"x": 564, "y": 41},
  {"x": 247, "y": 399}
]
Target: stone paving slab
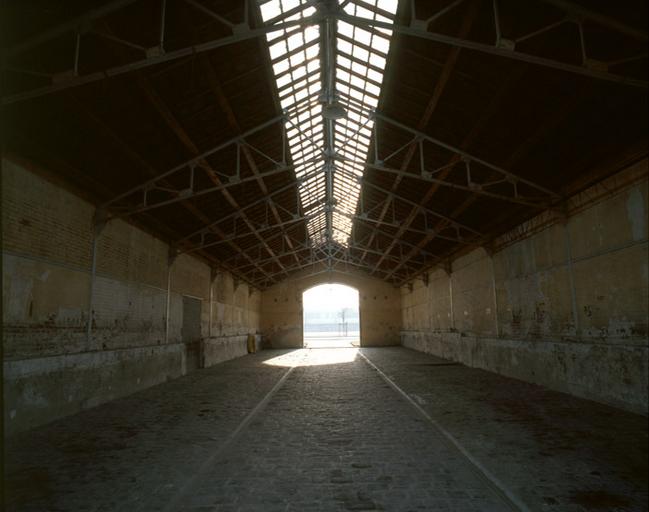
[
  {"x": 129, "y": 451},
  {"x": 336, "y": 437},
  {"x": 321, "y": 430},
  {"x": 555, "y": 451}
]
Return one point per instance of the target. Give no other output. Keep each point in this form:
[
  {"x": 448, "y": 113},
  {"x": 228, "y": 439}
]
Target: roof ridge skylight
[{"x": 326, "y": 122}]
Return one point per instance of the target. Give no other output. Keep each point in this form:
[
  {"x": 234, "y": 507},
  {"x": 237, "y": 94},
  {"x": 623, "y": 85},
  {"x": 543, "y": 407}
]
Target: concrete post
[
  {"x": 99, "y": 222},
  {"x": 571, "y": 277},
  {"x": 168, "y": 302},
  {"x": 173, "y": 254},
  {"x": 213, "y": 275},
  {"x": 493, "y": 284},
  {"x": 450, "y": 291},
  {"x": 93, "y": 271}
]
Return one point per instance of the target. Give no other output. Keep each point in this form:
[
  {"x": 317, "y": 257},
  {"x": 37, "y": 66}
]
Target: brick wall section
[
  {"x": 128, "y": 254},
  {"x": 192, "y": 278},
  {"x": 127, "y": 314},
  {"x": 44, "y": 221},
  {"x": 607, "y": 247},
  {"x": 47, "y": 278},
  {"x": 566, "y": 306},
  {"x": 37, "y": 321},
  {"x": 235, "y": 311},
  {"x": 47, "y": 253},
  {"x": 533, "y": 287}
]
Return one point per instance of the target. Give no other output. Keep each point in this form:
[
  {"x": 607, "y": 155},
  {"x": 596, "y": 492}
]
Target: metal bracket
[
  {"x": 240, "y": 28},
  {"x": 100, "y": 219},
  {"x": 421, "y": 25},
  {"x": 507, "y": 44},
  {"x": 64, "y": 76},
  {"x": 154, "y": 51},
  {"x": 489, "y": 247},
  {"x": 174, "y": 252},
  {"x": 596, "y": 65},
  {"x": 561, "y": 213}
]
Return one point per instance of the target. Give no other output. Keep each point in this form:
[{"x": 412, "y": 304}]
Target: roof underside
[{"x": 202, "y": 120}]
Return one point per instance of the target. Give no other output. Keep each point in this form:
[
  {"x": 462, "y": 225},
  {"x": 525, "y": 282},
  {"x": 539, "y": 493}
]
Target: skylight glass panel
[{"x": 358, "y": 63}]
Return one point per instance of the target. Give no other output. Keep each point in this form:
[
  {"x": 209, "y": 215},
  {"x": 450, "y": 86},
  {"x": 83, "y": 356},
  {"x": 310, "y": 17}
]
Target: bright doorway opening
[{"x": 331, "y": 317}]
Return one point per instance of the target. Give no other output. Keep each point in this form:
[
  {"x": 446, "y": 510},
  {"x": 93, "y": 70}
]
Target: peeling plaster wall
[
  {"x": 566, "y": 307},
  {"x": 281, "y": 307},
  {"x": 52, "y": 368}
]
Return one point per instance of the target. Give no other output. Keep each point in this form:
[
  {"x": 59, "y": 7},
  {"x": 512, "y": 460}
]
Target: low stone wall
[
  {"x": 218, "y": 350},
  {"x": 617, "y": 375},
  {"x": 40, "y": 390}
]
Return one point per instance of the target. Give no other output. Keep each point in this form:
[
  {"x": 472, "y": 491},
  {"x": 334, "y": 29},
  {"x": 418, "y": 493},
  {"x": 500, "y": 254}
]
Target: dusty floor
[{"x": 340, "y": 429}]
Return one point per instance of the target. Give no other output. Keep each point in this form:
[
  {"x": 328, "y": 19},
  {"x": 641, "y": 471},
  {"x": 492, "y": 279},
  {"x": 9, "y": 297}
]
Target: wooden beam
[
  {"x": 136, "y": 157},
  {"x": 226, "y": 107},
  {"x": 440, "y": 87},
  {"x": 171, "y": 121},
  {"x": 563, "y": 110}
]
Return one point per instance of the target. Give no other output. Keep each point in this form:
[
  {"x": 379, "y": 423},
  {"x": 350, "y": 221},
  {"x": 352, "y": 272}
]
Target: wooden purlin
[
  {"x": 184, "y": 137},
  {"x": 440, "y": 87},
  {"x": 232, "y": 121},
  {"x": 561, "y": 112},
  {"x": 187, "y": 205}
]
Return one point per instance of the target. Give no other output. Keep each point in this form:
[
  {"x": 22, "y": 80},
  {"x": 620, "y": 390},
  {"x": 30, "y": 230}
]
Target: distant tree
[{"x": 345, "y": 315}]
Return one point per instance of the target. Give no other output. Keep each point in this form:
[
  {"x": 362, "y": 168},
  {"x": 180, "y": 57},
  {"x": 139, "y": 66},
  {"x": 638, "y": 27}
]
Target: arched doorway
[{"x": 331, "y": 316}]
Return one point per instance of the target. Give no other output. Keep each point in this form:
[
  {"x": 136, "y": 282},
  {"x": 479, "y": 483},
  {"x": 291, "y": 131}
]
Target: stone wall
[
  {"x": 53, "y": 364},
  {"x": 559, "y": 303},
  {"x": 379, "y": 309}
]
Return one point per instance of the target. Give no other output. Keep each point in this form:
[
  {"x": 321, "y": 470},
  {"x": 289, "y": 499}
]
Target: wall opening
[{"x": 331, "y": 318}]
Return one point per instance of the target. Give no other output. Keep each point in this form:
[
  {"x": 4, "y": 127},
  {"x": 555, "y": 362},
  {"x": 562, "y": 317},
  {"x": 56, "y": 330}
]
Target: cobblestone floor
[
  {"x": 555, "y": 451},
  {"x": 323, "y": 430}
]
